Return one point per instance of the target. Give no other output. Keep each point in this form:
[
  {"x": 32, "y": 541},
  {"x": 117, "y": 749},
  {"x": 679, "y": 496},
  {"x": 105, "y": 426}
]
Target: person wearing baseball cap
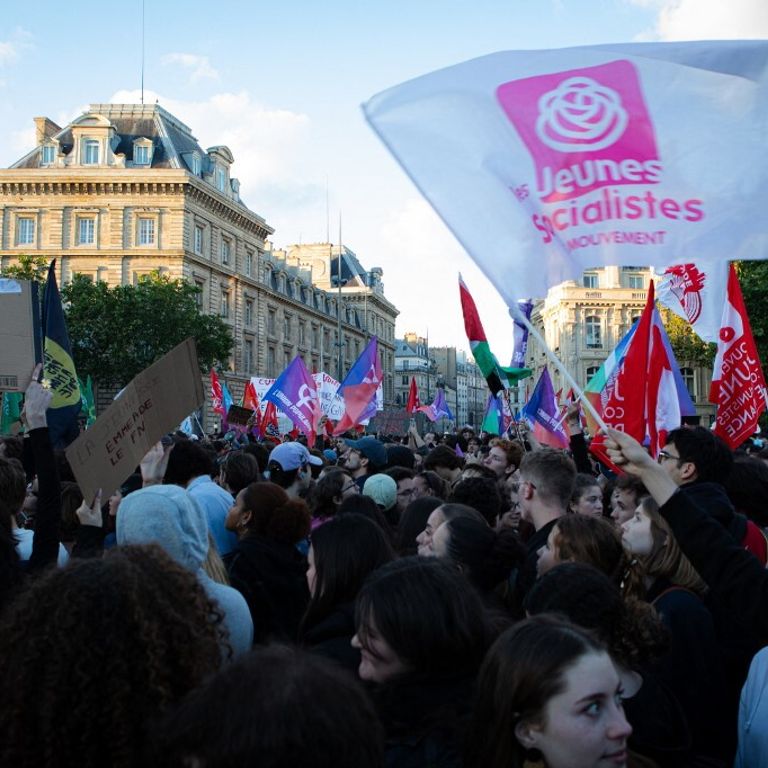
[
  {"x": 288, "y": 467},
  {"x": 363, "y": 458}
]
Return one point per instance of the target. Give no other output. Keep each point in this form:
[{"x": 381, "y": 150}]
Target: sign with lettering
[{"x": 158, "y": 399}]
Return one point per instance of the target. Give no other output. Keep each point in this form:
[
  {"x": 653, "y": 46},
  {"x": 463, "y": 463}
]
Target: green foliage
[
  {"x": 753, "y": 278},
  {"x": 117, "y": 332},
  {"x": 689, "y": 349},
  {"x": 28, "y": 268}
]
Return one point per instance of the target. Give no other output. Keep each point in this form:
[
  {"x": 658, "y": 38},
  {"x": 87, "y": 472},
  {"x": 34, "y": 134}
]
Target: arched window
[{"x": 594, "y": 332}]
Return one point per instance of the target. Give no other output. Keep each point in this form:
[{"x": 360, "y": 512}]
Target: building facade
[
  {"x": 126, "y": 189},
  {"x": 583, "y": 322}
]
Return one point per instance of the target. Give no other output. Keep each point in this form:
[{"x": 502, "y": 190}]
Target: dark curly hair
[
  {"x": 91, "y": 653},
  {"x": 275, "y": 514}
]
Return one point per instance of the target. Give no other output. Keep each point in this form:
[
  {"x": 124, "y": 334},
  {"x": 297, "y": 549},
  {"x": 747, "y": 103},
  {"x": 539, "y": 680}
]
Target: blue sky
[{"x": 281, "y": 84}]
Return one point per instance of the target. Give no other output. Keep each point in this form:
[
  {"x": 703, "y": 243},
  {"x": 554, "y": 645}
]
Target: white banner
[
  {"x": 331, "y": 404},
  {"x": 569, "y": 159}
]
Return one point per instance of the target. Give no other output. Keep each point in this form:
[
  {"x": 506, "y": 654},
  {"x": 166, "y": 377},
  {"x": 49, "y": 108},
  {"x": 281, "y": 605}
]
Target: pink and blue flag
[
  {"x": 438, "y": 408},
  {"x": 543, "y": 414},
  {"x": 358, "y": 389},
  {"x": 295, "y": 394}
]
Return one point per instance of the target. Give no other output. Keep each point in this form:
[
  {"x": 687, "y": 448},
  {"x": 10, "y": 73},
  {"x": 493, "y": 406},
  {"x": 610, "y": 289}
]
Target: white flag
[
  {"x": 545, "y": 163},
  {"x": 697, "y": 293}
]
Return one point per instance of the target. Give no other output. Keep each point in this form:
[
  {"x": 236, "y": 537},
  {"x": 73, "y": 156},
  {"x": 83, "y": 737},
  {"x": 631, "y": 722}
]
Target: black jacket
[
  {"x": 271, "y": 576},
  {"x": 332, "y": 637}
]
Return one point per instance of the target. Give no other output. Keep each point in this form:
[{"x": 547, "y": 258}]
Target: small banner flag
[
  {"x": 295, "y": 392},
  {"x": 543, "y": 414}
]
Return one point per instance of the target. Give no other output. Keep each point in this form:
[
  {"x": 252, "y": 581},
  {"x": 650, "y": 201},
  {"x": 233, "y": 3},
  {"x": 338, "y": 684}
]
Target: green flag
[
  {"x": 89, "y": 404},
  {"x": 11, "y": 412}
]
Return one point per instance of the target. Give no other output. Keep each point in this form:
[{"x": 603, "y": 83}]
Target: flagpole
[{"x": 520, "y": 317}]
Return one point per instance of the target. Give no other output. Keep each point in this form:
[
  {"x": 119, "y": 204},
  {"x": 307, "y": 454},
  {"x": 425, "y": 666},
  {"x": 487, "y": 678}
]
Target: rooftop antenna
[
  {"x": 142, "y": 52},
  {"x": 327, "y": 215}
]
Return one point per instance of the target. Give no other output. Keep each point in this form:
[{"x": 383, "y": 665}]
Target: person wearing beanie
[
  {"x": 168, "y": 516},
  {"x": 383, "y": 490}
]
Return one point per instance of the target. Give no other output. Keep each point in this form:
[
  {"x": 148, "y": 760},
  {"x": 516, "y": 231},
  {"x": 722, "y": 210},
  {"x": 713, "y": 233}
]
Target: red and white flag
[
  {"x": 696, "y": 293},
  {"x": 738, "y": 385},
  {"x": 413, "y": 403},
  {"x": 217, "y": 397}
]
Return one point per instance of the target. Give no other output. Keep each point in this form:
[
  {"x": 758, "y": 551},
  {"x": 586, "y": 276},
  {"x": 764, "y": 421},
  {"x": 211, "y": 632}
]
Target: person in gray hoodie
[{"x": 167, "y": 515}]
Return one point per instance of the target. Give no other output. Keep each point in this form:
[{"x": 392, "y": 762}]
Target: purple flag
[
  {"x": 295, "y": 394},
  {"x": 543, "y": 413},
  {"x": 438, "y": 408},
  {"x": 520, "y": 335}
]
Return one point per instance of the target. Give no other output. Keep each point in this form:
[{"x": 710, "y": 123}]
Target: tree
[
  {"x": 117, "y": 332},
  {"x": 688, "y": 348},
  {"x": 28, "y": 268},
  {"x": 753, "y": 278}
]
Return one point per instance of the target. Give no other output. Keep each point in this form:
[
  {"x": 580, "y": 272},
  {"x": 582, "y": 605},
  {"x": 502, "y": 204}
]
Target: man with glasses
[{"x": 699, "y": 462}]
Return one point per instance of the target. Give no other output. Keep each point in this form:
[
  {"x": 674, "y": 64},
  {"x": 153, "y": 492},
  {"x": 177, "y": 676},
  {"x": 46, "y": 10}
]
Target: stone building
[
  {"x": 125, "y": 189},
  {"x": 583, "y": 322}
]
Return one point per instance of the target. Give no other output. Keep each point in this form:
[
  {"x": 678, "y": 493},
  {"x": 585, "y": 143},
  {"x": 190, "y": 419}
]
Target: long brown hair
[
  {"x": 596, "y": 541},
  {"x": 666, "y": 559}
]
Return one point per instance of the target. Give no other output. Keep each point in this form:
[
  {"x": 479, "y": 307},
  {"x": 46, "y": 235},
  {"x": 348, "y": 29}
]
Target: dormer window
[
  {"x": 196, "y": 165},
  {"x": 221, "y": 180},
  {"x": 48, "y": 154},
  {"x": 142, "y": 152},
  {"x": 90, "y": 152}
]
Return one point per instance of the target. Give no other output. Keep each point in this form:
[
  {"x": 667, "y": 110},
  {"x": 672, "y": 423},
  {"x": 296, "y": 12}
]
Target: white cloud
[
  {"x": 708, "y": 19},
  {"x": 11, "y": 49},
  {"x": 199, "y": 66}
]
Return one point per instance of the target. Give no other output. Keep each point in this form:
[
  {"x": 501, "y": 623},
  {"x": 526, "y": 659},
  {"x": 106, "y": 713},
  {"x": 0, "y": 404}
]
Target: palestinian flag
[{"x": 498, "y": 378}]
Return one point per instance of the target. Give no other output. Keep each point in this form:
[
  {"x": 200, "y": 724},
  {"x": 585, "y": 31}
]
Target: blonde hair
[
  {"x": 666, "y": 558},
  {"x": 213, "y": 565}
]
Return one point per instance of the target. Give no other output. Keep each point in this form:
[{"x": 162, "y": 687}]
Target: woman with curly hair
[
  {"x": 266, "y": 566},
  {"x": 330, "y": 491},
  {"x": 693, "y": 666},
  {"x": 636, "y": 639},
  {"x": 91, "y": 654}
]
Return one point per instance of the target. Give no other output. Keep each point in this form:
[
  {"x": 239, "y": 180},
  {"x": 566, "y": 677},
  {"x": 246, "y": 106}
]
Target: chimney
[{"x": 44, "y": 129}]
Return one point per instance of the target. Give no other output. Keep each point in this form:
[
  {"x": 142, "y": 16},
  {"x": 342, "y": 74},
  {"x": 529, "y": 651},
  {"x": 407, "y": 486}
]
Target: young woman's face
[
  {"x": 636, "y": 533},
  {"x": 235, "y": 513},
  {"x": 590, "y": 502},
  {"x": 378, "y": 660},
  {"x": 584, "y": 726},
  {"x": 424, "y": 539},
  {"x": 549, "y": 555},
  {"x": 311, "y": 571}
]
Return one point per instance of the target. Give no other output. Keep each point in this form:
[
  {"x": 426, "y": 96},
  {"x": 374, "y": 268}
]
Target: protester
[
  {"x": 587, "y": 497},
  {"x": 93, "y": 654},
  {"x": 344, "y": 552},
  {"x": 290, "y": 467},
  {"x": 444, "y": 462},
  {"x": 363, "y": 457},
  {"x": 404, "y": 479},
  {"x": 329, "y": 493},
  {"x": 753, "y": 715},
  {"x": 481, "y": 494},
  {"x": 301, "y": 710},
  {"x": 437, "y": 518},
  {"x": 636, "y": 639},
  {"x": 168, "y": 515},
  {"x": 547, "y": 686},
  {"x": 422, "y": 634},
  {"x": 692, "y": 667},
  {"x": 266, "y": 566},
  {"x": 383, "y": 490},
  {"x": 190, "y": 466},
  {"x": 626, "y": 495},
  {"x": 412, "y": 522},
  {"x": 504, "y": 457},
  {"x": 428, "y": 483},
  {"x": 237, "y": 470}
]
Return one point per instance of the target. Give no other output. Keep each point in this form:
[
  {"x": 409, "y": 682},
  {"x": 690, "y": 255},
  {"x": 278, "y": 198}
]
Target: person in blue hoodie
[{"x": 167, "y": 515}]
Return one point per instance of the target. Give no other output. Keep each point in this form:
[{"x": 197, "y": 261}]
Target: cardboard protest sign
[
  {"x": 238, "y": 416},
  {"x": 153, "y": 403},
  {"x": 20, "y": 334}
]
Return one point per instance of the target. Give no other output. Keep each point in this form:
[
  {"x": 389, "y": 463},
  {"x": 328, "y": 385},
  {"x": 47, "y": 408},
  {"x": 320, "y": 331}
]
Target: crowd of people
[{"x": 386, "y": 602}]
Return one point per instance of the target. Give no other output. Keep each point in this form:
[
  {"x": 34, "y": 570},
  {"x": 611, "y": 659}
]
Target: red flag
[
  {"x": 413, "y": 397},
  {"x": 250, "y": 398},
  {"x": 625, "y": 401},
  {"x": 269, "y": 423},
  {"x": 217, "y": 398},
  {"x": 738, "y": 385}
]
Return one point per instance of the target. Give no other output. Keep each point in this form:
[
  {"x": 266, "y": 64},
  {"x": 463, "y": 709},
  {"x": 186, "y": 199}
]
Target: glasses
[
  {"x": 349, "y": 487},
  {"x": 663, "y": 455},
  {"x": 407, "y": 492}
]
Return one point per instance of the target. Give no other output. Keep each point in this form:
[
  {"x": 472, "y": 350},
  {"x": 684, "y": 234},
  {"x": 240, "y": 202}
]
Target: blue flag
[
  {"x": 59, "y": 368},
  {"x": 358, "y": 389},
  {"x": 543, "y": 414}
]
